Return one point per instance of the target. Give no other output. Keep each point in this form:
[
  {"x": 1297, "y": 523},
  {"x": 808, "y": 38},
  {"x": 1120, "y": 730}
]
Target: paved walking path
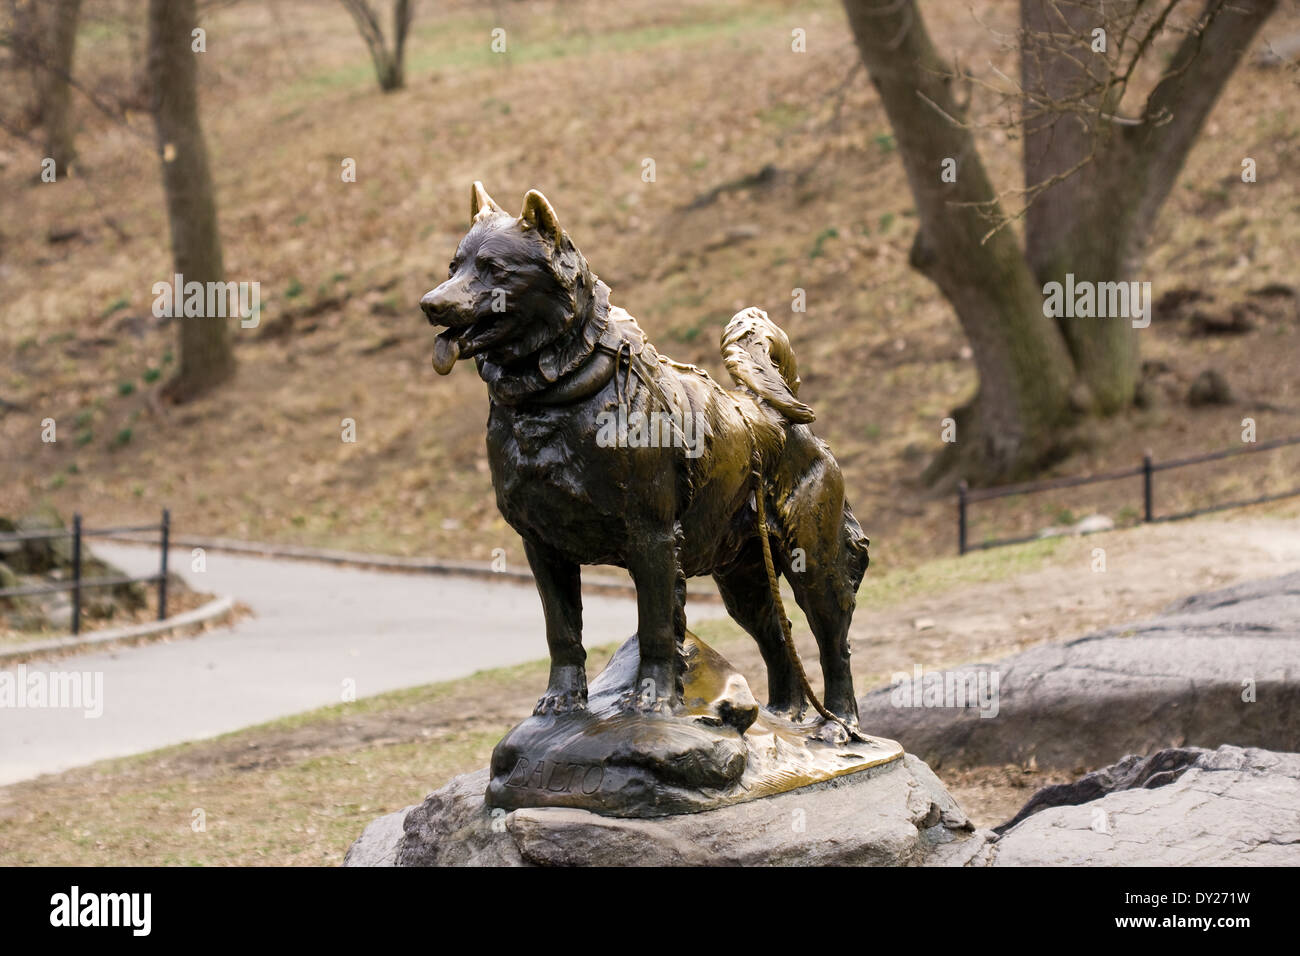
[{"x": 315, "y": 627}]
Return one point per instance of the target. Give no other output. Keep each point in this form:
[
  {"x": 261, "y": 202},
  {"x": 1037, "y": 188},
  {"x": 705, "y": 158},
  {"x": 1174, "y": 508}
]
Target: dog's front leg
[
  {"x": 654, "y": 569},
  {"x": 559, "y": 582}
]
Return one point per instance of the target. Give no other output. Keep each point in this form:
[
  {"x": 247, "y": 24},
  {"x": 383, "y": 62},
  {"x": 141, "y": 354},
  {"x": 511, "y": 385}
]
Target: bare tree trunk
[
  {"x": 1116, "y": 172},
  {"x": 1024, "y": 368},
  {"x": 1081, "y": 224},
  {"x": 206, "y": 359},
  {"x": 1095, "y": 182},
  {"x": 389, "y": 64},
  {"x": 27, "y": 40},
  {"x": 56, "y": 95},
  {"x": 403, "y": 11},
  {"x": 1177, "y": 107}
]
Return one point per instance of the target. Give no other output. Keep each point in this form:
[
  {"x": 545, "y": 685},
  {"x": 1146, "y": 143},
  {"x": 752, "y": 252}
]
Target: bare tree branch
[{"x": 1182, "y": 98}]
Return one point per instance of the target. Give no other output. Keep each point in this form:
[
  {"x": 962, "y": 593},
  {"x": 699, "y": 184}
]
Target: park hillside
[{"x": 777, "y": 181}]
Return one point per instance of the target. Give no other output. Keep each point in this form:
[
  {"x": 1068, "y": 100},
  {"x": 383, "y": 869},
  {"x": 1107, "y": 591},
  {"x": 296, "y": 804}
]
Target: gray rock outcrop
[
  {"x": 1180, "y": 807},
  {"x": 1216, "y": 668},
  {"x": 898, "y": 814}
]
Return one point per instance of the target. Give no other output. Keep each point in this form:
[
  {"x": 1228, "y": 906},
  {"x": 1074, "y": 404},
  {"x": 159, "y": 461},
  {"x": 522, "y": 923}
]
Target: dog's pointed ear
[
  {"x": 539, "y": 215},
  {"x": 480, "y": 203}
]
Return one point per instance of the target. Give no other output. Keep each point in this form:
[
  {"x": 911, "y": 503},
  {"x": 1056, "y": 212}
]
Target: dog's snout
[
  {"x": 431, "y": 304},
  {"x": 449, "y": 304}
]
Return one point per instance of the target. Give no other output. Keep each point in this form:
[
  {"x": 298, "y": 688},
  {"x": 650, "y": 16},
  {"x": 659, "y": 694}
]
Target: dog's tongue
[{"x": 445, "y": 351}]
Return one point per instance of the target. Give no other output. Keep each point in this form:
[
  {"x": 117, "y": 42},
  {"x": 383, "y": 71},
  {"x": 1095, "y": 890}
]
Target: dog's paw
[
  {"x": 566, "y": 691},
  {"x": 833, "y": 732},
  {"x": 560, "y": 702},
  {"x": 794, "y": 713},
  {"x": 644, "y": 703}
]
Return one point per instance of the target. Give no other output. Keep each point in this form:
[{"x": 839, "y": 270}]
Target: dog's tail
[{"x": 759, "y": 358}]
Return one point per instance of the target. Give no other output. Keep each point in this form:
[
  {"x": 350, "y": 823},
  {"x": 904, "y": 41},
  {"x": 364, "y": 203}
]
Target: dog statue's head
[{"x": 515, "y": 285}]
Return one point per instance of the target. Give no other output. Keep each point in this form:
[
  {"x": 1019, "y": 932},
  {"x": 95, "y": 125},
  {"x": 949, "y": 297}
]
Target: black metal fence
[
  {"x": 78, "y": 583},
  {"x": 1148, "y": 468}
]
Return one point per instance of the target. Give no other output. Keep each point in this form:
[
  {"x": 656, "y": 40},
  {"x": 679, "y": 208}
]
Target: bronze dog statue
[{"x": 602, "y": 451}]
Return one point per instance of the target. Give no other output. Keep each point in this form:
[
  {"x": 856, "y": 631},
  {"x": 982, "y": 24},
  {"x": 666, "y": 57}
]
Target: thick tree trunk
[
  {"x": 1080, "y": 225},
  {"x": 1025, "y": 372},
  {"x": 56, "y": 90},
  {"x": 206, "y": 359},
  {"x": 1114, "y": 173},
  {"x": 1095, "y": 182}
]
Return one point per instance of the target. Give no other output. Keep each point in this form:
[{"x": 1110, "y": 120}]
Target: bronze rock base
[{"x": 720, "y": 748}]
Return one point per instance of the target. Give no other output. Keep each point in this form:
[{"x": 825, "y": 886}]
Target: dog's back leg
[
  {"x": 814, "y": 518},
  {"x": 559, "y": 583},
  {"x": 744, "y": 590},
  {"x": 827, "y": 595}
]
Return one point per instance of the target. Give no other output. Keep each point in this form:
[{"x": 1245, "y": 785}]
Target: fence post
[
  {"x": 1146, "y": 486},
  {"x": 961, "y": 517},
  {"x": 76, "y": 574},
  {"x": 162, "y": 565}
]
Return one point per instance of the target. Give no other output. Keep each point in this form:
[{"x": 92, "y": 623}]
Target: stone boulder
[
  {"x": 896, "y": 814},
  {"x": 1178, "y": 807},
  {"x": 1217, "y": 668}
]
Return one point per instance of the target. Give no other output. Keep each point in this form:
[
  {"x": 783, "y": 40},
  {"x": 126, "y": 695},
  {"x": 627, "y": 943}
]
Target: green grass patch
[{"x": 883, "y": 586}]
